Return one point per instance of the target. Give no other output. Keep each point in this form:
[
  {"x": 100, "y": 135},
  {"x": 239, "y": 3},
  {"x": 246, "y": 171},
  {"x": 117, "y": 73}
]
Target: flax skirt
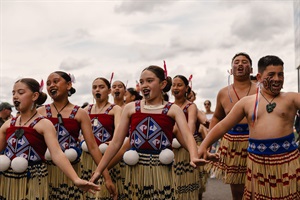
[
  {"x": 186, "y": 177},
  {"x": 60, "y": 186},
  {"x": 189, "y": 182},
  {"x": 117, "y": 175},
  {"x": 232, "y": 166},
  {"x": 273, "y": 176},
  {"x": 149, "y": 179},
  {"x": 31, "y": 184}
]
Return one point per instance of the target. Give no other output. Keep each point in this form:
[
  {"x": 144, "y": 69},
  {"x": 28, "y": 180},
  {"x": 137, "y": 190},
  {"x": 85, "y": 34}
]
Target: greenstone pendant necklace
[{"x": 270, "y": 106}]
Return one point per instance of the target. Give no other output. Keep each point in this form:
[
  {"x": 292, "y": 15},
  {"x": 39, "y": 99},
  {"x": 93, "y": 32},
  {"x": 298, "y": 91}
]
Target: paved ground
[{"x": 217, "y": 190}]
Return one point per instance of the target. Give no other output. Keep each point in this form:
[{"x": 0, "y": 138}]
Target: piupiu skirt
[
  {"x": 60, "y": 186},
  {"x": 273, "y": 169},
  {"x": 31, "y": 184},
  {"x": 149, "y": 179},
  {"x": 232, "y": 165}
]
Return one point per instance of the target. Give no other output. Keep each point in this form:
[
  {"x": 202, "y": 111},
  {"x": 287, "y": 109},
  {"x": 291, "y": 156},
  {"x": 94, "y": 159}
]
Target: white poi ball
[
  {"x": 84, "y": 146},
  {"x": 71, "y": 154},
  {"x": 166, "y": 156},
  {"x": 48, "y": 155},
  {"x": 5, "y": 163},
  {"x": 131, "y": 157},
  {"x": 103, "y": 147},
  {"x": 19, "y": 164},
  {"x": 175, "y": 143}
]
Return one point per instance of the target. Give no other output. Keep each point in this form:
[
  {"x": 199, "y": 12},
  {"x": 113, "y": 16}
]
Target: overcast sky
[{"x": 95, "y": 38}]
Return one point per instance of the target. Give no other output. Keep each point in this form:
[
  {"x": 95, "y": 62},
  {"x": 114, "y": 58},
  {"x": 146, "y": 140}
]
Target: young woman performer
[
  {"x": 25, "y": 139},
  {"x": 104, "y": 118},
  {"x": 188, "y": 182},
  {"x": 118, "y": 90},
  {"x": 150, "y": 123},
  {"x": 69, "y": 120}
]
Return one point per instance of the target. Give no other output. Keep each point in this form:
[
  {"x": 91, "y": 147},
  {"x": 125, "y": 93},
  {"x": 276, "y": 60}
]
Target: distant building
[{"x": 297, "y": 38}]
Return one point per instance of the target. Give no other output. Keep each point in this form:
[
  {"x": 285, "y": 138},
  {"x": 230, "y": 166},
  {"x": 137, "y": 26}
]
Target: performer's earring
[{"x": 32, "y": 106}]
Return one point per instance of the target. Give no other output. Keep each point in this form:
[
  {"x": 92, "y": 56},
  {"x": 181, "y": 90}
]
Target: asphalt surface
[{"x": 216, "y": 190}]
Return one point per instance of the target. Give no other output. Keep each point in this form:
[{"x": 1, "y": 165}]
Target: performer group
[{"x": 141, "y": 145}]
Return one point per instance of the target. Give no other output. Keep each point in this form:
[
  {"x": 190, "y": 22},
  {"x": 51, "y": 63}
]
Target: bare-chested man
[{"x": 233, "y": 148}]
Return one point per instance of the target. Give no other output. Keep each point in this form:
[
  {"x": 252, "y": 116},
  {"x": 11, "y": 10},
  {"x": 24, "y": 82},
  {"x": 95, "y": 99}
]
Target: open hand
[
  {"x": 198, "y": 162},
  {"x": 213, "y": 156},
  {"x": 87, "y": 186}
]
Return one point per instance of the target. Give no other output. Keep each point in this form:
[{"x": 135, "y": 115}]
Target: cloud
[
  {"x": 6, "y": 88},
  {"x": 124, "y": 37},
  {"x": 247, "y": 26},
  {"x": 78, "y": 38},
  {"x": 142, "y": 6},
  {"x": 73, "y": 64},
  {"x": 175, "y": 47}
]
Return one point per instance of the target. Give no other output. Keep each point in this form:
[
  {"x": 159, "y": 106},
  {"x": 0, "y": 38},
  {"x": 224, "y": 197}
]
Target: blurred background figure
[
  {"x": 132, "y": 95},
  {"x": 209, "y": 114},
  {"x": 5, "y": 112},
  {"x": 253, "y": 79},
  {"x": 118, "y": 90},
  {"x": 191, "y": 96}
]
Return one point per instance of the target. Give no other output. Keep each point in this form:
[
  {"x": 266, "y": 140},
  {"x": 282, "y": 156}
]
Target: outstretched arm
[
  {"x": 188, "y": 138},
  {"x": 236, "y": 114},
  {"x": 46, "y": 128}
]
